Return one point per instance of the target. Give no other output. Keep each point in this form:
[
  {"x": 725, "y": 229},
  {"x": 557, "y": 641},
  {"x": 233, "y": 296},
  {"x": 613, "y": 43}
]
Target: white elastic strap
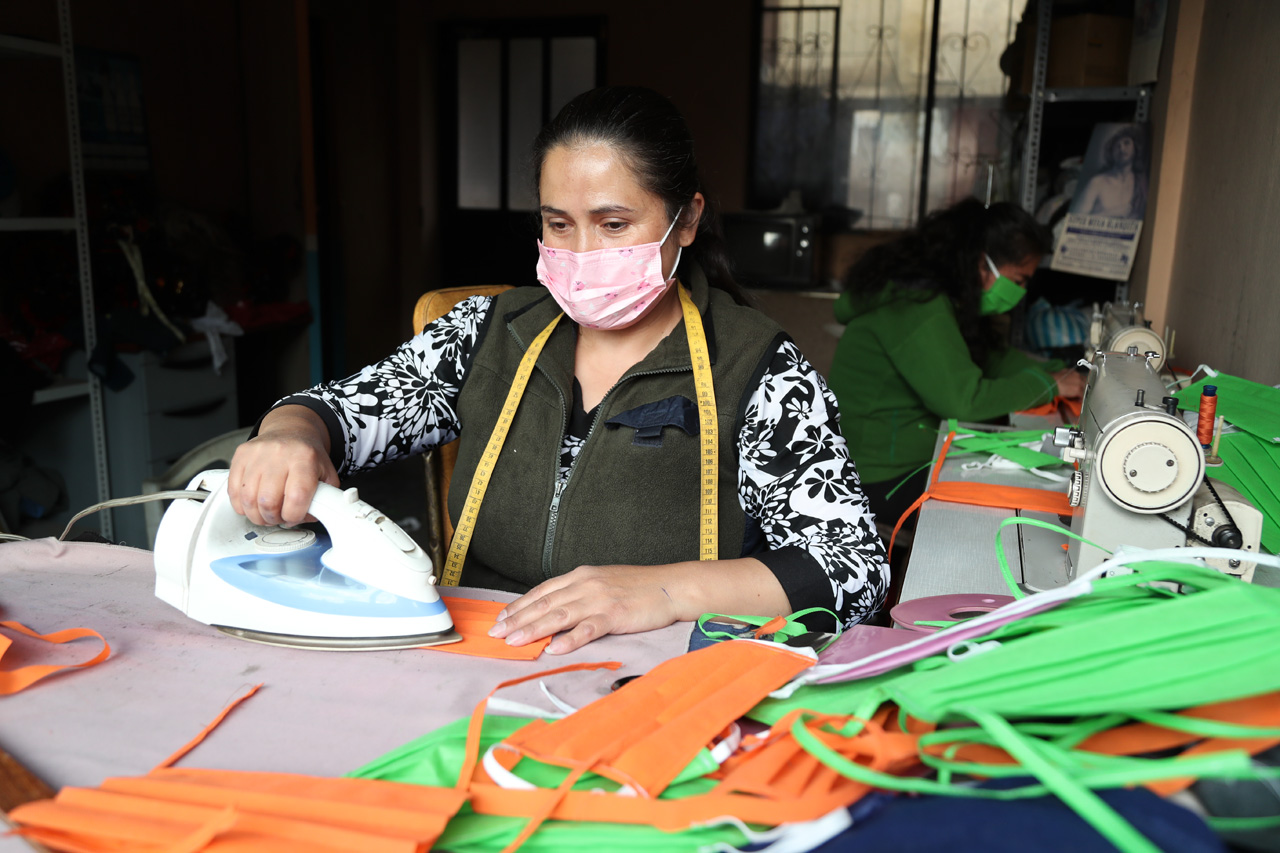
[
  {"x": 556, "y": 700},
  {"x": 969, "y": 648},
  {"x": 787, "y": 837},
  {"x": 991, "y": 264},
  {"x": 721, "y": 751},
  {"x": 1077, "y": 587},
  {"x": 501, "y": 776},
  {"x": 512, "y": 708},
  {"x": 679, "y": 249}
]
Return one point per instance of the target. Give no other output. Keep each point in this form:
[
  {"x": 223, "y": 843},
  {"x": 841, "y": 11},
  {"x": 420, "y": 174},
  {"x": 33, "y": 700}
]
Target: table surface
[{"x": 319, "y": 712}]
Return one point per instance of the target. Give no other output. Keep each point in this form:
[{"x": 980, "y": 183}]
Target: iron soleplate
[{"x": 343, "y": 644}]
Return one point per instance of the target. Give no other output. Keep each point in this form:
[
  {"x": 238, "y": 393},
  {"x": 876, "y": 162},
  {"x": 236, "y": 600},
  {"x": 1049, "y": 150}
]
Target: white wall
[{"x": 1224, "y": 298}]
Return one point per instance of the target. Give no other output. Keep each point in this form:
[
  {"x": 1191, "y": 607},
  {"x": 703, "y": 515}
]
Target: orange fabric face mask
[
  {"x": 644, "y": 734},
  {"x": 181, "y": 810},
  {"x": 472, "y": 618}
]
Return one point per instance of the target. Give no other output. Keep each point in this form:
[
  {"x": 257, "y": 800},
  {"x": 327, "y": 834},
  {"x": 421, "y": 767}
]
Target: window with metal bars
[{"x": 889, "y": 107}]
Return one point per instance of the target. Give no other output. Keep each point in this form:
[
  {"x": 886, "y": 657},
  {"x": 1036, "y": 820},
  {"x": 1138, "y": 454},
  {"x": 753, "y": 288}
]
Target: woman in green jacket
[{"x": 920, "y": 343}]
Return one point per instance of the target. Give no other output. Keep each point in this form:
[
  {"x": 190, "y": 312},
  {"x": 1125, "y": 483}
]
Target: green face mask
[{"x": 1002, "y": 295}]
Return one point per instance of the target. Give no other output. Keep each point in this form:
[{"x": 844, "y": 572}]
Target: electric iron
[{"x": 365, "y": 585}]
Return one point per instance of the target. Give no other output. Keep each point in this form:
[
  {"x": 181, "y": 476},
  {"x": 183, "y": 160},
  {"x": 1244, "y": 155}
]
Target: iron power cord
[{"x": 173, "y": 494}]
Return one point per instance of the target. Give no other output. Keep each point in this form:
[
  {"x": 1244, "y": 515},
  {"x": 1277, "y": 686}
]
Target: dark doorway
[{"x": 500, "y": 82}]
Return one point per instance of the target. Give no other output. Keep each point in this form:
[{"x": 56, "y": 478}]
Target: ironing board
[{"x": 322, "y": 713}]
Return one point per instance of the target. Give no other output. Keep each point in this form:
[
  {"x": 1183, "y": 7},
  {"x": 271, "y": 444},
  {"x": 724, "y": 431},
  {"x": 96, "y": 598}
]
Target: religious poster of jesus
[{"x": 1105, "y": 218}]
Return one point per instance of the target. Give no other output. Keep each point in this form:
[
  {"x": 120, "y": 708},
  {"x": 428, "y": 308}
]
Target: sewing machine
[
  {"x": 1141, "y": 476},
  {"x": 1116, "y": 326}
]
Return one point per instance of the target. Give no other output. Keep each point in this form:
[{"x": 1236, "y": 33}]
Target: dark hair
[
  {"x": 944, "y": 254},
  {"x": 653, "y": 139}
]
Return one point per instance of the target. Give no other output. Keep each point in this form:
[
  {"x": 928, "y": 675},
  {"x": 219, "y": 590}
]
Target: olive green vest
[{"x": 633, "y": 495}]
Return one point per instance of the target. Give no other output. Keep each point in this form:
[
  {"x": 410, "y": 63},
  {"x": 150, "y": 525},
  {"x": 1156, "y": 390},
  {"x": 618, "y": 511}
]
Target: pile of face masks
[
  {"x": 1115, "y": 682},
  {"x": 1251, "y": 453}
]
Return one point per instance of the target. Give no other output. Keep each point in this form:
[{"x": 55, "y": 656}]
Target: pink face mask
[{"x": 606, "y": 288}]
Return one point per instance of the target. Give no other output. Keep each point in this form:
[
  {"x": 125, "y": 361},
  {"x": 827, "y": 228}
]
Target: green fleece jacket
[{"x": 901, "y": 365}]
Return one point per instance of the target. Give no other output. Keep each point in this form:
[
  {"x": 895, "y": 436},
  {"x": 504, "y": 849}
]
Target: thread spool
[
  {"x": 944, "y": 608},
  {"x": 1208, "y": 410}
]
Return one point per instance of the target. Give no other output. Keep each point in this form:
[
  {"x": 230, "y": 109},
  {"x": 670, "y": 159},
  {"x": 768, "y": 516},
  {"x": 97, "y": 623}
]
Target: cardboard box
[{"x": 1084, "y": 50}]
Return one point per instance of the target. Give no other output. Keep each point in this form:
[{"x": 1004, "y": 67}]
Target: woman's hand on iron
[
  {"x": 588, "y": 603},
  {"x": 274, "y": 475}
]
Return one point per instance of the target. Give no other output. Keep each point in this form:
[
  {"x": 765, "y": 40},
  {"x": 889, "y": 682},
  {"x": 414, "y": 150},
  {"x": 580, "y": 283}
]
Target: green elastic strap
[
  {"x": 1056, "y": 769},
  {"x": 1253, "y": 466},
  {"x": 1242, "y": 824},
  {"x": 1014, "y": 589},
  {"x": 791, "y": 629}
]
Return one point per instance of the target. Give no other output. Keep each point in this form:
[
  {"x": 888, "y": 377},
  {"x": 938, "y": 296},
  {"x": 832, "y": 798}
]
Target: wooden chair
[{"x": 431, "y": 306}]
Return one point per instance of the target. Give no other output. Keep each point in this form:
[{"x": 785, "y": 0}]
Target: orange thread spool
[{"x": 1208, "y": 410}]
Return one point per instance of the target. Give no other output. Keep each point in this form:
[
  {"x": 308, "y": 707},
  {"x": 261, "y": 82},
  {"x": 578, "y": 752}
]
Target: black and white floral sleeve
[
  {"x": 406, "y": 403},
  {"x": 795, "y": 479}
]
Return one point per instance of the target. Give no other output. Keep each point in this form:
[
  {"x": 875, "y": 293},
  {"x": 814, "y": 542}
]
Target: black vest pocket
[{"x": 648, "y": 420}]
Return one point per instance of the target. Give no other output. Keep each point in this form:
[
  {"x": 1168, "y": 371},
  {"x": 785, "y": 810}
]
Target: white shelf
[
  {"x": 37, "y": 223},
  {"x": 16, "y": 45},
  {"x": 62, "y": 389}
]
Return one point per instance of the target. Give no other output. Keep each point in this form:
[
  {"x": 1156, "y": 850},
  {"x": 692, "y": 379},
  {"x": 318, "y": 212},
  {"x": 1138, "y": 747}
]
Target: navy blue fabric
[
  {"x": 649, "y": 419},
  {"x": 930, "y": 824}
]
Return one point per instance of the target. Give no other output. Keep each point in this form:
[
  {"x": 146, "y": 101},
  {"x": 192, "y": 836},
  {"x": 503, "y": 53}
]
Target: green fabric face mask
[
  {"x": 1003, "y": 294},
  {"x": 1251, "y": 456}
]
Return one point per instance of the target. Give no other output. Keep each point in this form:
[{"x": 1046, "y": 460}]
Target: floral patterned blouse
[{"x": 796, "y": 482}]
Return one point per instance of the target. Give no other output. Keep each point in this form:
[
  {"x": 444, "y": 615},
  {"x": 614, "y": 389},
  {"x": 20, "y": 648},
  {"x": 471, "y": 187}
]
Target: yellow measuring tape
[
  {"x": 480, "y": 482},
  {"x": 708, "y": 529}
]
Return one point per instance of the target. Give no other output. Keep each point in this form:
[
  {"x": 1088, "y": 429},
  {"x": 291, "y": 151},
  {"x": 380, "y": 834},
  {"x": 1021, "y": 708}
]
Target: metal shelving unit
[
  {"x": 1042, "y": 95},
  {"x": 79, "y": 223}
]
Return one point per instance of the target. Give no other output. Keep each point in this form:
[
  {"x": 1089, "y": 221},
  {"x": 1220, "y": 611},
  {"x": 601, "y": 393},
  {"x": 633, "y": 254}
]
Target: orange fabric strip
[
  {"x": 472, "y": 618},
  {"x": 11, "y": 681},
  {"x": 983, "y": 494},
  {"x": 1144, "y": 738},
  {"x": 204, "y": 733},
  {"x": 113, "y": 825},
  {"x": 202, "y": 837},
  {"x": 296, "y": 798},
  {"x": 1064, "y": 405}
]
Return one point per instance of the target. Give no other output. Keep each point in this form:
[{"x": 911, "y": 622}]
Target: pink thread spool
[{"x": 944, "y": 608}]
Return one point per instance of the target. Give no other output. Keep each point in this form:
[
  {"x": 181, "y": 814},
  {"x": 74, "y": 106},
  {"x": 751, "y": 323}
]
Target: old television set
[{"x": 772, "y": 249}]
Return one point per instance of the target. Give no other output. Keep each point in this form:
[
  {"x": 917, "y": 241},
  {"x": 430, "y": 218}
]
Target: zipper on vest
[
  {"x": 555, "y": 464},
  {"x": 561, "y": 484},
  {"x": 551, "y": 526}
]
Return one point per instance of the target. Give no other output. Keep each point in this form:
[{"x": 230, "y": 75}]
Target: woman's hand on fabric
[
  {"x": 591, "y": 601},
  {"x": 588, "y": 603},
  {"x": 1071, "y": 382},
  {"x": 274, "y": 475}
]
